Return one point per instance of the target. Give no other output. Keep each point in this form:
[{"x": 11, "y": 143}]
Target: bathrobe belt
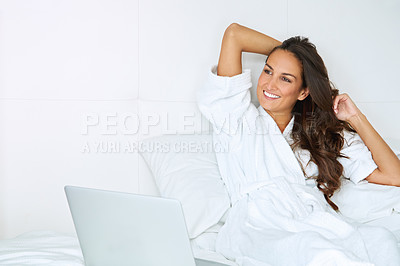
[{"x": 302, "y": 196}]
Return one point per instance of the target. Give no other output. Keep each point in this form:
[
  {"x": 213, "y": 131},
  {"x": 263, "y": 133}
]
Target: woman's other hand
[{"x": 344, "y": 108}]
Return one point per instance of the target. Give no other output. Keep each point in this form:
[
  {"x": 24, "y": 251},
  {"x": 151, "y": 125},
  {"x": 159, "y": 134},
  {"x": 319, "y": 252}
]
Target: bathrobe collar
[{"x": 289, "y": 127}]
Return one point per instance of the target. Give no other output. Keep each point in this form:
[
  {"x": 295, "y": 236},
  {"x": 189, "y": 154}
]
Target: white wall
[{"x": 65, "y": 65}]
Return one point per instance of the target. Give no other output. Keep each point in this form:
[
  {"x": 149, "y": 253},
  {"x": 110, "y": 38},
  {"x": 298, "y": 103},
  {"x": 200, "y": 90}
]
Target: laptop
[{"x": 117, "y": 229}]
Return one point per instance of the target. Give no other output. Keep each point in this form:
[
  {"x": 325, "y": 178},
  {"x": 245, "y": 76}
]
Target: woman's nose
[{"x": 271, "y": 83}]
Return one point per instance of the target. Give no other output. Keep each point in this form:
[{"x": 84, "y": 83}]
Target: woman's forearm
[
  {"x": 238, "y": 39},
  {"x": 388, "y": 172}
]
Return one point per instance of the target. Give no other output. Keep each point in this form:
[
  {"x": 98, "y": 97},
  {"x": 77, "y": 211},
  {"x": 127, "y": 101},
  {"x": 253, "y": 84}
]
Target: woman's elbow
[
  {"x": 232, "y": 30},
  {"x": 381, "y": 178},
  {"x": 395, "y": 181},
  {"x": 394, "y": 177},
  {"x": 233, "y": 27}
]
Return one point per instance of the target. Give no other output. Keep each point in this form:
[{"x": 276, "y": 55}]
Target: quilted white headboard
[{"x": 82, "y": 82}]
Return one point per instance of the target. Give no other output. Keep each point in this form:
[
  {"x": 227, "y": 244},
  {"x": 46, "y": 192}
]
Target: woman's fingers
[
  {"x": 344, "y": 107},
  {"x": 338, "y": 99}
]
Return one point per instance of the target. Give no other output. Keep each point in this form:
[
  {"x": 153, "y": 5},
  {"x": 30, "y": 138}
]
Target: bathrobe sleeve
[
  {"x": 359, "y": 163},
  {"x": 225, "y": 101}
]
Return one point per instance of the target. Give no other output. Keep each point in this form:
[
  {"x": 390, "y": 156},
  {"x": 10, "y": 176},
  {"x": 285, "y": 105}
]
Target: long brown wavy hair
[{"x": 316, "y": 127}]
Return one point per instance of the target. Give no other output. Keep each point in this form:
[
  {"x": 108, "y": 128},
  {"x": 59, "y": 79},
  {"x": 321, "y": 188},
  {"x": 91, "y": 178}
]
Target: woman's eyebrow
[
  {"x": 269, "y": 66},
  {"x": 286, "y": 74}
]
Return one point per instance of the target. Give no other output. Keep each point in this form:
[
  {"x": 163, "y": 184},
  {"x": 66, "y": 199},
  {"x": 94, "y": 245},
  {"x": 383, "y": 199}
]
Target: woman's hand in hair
[
  {"x": 388, "y": 171},
  {"x": 344, "y": 108}
]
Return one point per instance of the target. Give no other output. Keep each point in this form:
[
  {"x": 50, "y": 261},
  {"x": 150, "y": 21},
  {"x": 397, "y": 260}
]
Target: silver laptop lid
[{"x": 126, "y": 229}]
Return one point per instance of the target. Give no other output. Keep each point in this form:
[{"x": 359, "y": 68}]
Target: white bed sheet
[
  {"x": 391, "y": 222},
  {"x": 51, "y": 248},
  {"x": 41, "y": 248}
]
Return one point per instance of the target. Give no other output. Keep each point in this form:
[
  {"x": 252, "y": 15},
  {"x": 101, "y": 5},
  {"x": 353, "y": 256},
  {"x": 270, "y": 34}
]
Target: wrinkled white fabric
[
  {"x": 41, "y": 248},
  {"x": 277, "y": 216}
]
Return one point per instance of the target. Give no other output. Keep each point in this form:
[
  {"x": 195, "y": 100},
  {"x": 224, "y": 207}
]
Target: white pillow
[
  {"x": 364, "y": 202},
  {"x": 185, "y": 168}
]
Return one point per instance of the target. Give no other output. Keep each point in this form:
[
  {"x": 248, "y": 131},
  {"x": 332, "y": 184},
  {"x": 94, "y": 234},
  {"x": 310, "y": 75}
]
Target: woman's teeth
[{"x": 271, "y": 95}]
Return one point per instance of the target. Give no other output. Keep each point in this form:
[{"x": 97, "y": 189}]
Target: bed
[
  {"x": 52, "y": 248},
  {"x": 180, "y": 165}
]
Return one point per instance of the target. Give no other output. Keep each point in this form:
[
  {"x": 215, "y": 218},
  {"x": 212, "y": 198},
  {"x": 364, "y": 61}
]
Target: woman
[{"x": 287, "y": 156}]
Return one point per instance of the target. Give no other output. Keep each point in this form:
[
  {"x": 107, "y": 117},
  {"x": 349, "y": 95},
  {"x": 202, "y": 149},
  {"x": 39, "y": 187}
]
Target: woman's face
[{"x": 280, "y": 83}]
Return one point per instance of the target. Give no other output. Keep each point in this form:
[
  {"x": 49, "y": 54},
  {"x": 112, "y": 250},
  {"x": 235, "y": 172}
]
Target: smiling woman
[
  {"x": 288, "y": 156},
  {"x": 280, "y": 86}
]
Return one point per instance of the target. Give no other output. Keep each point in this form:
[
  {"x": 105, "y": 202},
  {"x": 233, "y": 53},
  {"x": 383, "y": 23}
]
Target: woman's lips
[{"x": 270, "y": 95}]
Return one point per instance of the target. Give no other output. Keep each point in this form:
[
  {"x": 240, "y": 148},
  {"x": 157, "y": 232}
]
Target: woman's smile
[{"x": 270, "y": 95}]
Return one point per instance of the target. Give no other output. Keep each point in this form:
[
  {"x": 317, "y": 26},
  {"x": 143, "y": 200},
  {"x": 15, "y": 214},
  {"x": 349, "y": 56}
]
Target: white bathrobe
[{"x": 279, "y": 217}]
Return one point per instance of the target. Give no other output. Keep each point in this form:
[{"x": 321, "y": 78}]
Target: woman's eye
[
  {"x": 285, "y": 79},
  {"x": 267, "y": 71}
]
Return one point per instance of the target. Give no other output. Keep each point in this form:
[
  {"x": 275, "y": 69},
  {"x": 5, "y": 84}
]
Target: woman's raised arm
[
  {"x": 238, "y": 39},
  {"x": 388, "y": 171}
]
